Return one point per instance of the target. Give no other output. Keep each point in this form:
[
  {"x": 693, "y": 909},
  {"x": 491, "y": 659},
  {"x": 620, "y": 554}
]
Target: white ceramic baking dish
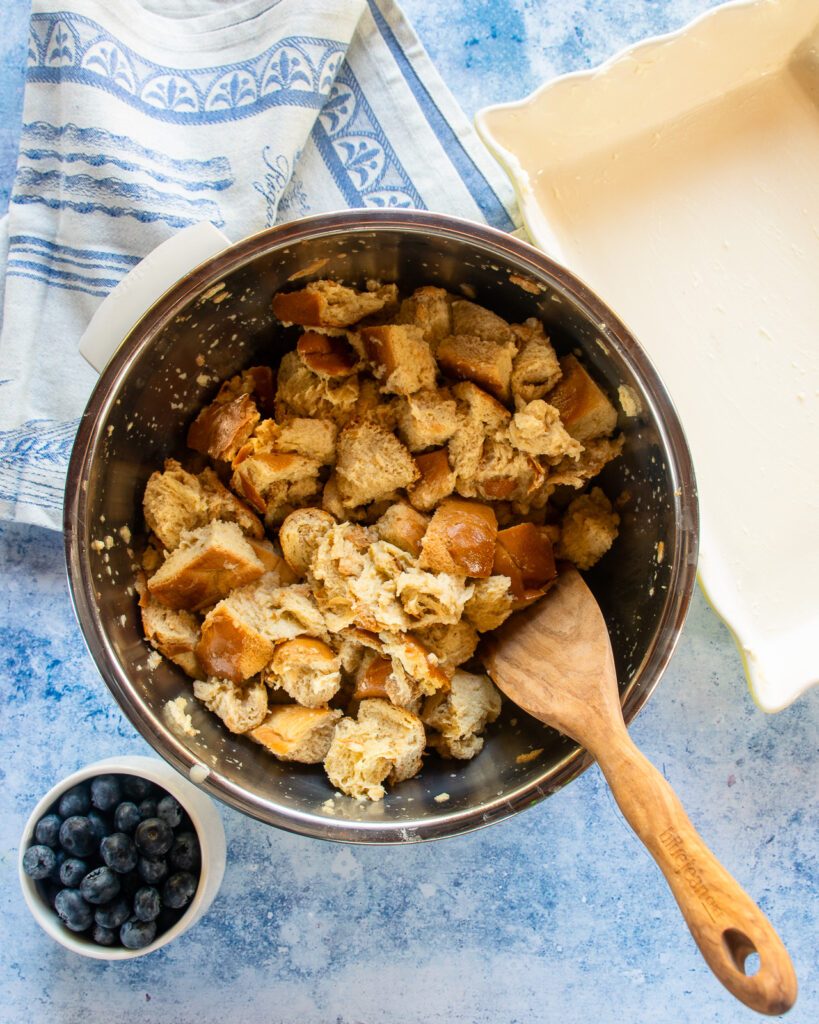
[{"x": 680, "y": 180}]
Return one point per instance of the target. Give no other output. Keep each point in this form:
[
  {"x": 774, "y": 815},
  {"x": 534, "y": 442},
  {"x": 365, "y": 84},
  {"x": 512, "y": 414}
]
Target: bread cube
[
  {"x": 307, "y": 669},
  {"x": 452, "y": 644},
  {"x": 275, "y": 482},
  {"x": 174, "y": 633},
  {"x": 583, "y": 407},
  {"x": 430, "y": 309},
  {"x": 588, "y": 529},
  {"x": 221, "y": 428},
  {"x": 402, "y": 361},
  {"x": 384, "y": 743},
  {"x": 535, "y": 369},
  {"x": 241, "y": 706},
  {"x": 208, "y": 563},
  {"x": 328, "y": 304},
  {"x": 504, "y": 474},
  {"x": 403, "y": 526},
  {"x": 524, "y": 554},
  {"x": 491, "y": 603},
  {"x": 300, "y": 534},
  {"x": 576, "y": 473},
  {"x": 371, "y": 677},
  {"x": 304, "y": 393},
  {"x": 472, "y": 319},
  {"x": 371, "y": 464},
  {"x": 294, "y": 733},
  {"x": 537, "y": 429},
  {"x": 460, "y": 539},
  {"x": 436, "y": 483},
  {"x": 461, "y": 714},
  {"x": 427, "y": 419},
  {"x": 484, "y": 362}
]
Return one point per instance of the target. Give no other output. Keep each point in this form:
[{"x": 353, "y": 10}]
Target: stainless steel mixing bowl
[{"x": 197, "y": 335}]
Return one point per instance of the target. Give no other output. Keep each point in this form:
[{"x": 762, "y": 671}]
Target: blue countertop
[{"x": 555, "y": 915}]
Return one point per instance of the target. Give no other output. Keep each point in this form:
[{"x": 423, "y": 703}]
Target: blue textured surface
[{"x": 555, "y": 915}]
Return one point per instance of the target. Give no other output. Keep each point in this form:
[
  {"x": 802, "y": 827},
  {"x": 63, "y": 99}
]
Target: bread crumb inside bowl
[
  {"x": 204, "y": 819},
  {"x": 171, "y": 366}
]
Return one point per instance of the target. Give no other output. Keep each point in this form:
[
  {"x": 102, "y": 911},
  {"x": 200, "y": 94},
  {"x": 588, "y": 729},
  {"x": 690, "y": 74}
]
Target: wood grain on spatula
[{"x": 555, "y": 661}]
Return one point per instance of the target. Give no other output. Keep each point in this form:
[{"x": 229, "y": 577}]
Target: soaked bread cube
[
  {"x": 583, "y": 407},
  {"x": 371, "y": 464},
  {"x": 588, "y": 530},
  {"x": 402, "y": 361},
  {"x": 328, "y": 304},
  {"x": 307, "y": 669},
  {"x": 241, "y": 706}
]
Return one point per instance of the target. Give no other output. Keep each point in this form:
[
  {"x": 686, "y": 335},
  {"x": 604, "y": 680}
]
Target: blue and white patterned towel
[{"x": 143, "y": 116}]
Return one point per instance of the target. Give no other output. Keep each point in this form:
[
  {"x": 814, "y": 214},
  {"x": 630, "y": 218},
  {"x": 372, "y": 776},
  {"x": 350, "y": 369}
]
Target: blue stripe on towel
[
  {"x": 65, "y": 275},
  {"x": 482, "y": 192},
  {"x": 69, "y": 251},
  {"x": 58, "y": 284}
]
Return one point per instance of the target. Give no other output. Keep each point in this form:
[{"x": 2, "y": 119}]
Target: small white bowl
[{"x": 209, "y": 829}]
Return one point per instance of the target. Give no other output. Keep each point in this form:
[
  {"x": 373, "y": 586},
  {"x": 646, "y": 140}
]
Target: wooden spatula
[{"x": 554, "y": 660}]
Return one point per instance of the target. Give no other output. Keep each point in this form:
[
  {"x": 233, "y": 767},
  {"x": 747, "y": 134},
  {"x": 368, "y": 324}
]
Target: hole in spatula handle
[{"x": 743, "y": 951}]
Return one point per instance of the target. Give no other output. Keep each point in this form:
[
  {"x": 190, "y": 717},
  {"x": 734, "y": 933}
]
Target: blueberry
[
  {"x": 77, "y": 836},
  {"x": 74, "y": 911},
  {"x": 126, "y": 816},
  {"x": 147, "y": 809},
  {"x": 103, "y": 936},
  {"x": 100, "y": 825},
  {"x": 146, "y": 903},
  {"x": 185, "y": 854},
  {"x": 106, "y": 792},
  {"x": 73, "y": 871},
  {"x": 179, "y": 889},
  {"x": 119, "y": 853},
  {"x": 152, "y": 871},
  {"x": 135, "y": 788},
  {"x": 47, "y": 830},
  {"x": 136, "y": 934},
  {"x": 99, "y": 886},
  {"x": 113, "y": 914},
  {"x": 169, "y": 809},
  {"x": 154, "y": 837},
  {"x": 76, "y": 800},
  {"x": 39, "y": 861}
]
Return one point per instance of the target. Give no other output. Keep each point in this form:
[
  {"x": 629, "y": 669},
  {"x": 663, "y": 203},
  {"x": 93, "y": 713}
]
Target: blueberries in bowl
[{"x": 117, "y": 859}]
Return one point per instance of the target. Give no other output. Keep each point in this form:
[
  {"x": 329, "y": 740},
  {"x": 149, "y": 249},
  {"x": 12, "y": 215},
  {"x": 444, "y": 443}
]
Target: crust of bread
[
  {"x": 484, "y": 362},
  {"x": 326, "y": 355},
  {"x": 371, "y": 677},
  {"x": 307, "y": 669},
  {"x": 460, "y": 539},
  {"x": 524, "y": 554},
  {"x": 402, "y": 361},
  {"x": 300, "y": 534},
  {"x": 207, "y": 565},
  {"x": 437, "y": 480},
  {"x": 274, "y": 483},
  {"x": 294, "y": 733},
  {"x": 221, "y": 428},
  {"x": 584, "y": 409},
  {"x": 330, "y": 304}
]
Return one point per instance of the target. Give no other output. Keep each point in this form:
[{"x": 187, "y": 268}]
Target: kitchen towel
[{"x": 143, "y": 116}]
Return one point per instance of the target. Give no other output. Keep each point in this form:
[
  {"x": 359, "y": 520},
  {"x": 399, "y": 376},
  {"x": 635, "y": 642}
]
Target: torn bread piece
[
  {"x": 584, "y": 409},
  {"x": 461, "y": 714},
  {"x": 535, "y": 369},
  {"x": 437, "y": 480},
  {"x": 311, "y": 437},
  {"x": 307, "y": 669},
  {"x": 430, "y": 309},
  {"x": 175, "y": 501},
  {"x": 427, "y": 419},
  {"x": 303, "y": 393},
  {"x": 239, "y": 635},
  {"x": 472, "y": 319},
  {"x": 222, "y": 427},
  {"x": 384, "y": 743},
  {"x": 588, "y": 529},
  {"x": 328, "y": 304},
  {"x": 537, "y": 429},
  {"x": 460, "y": 539},
  {"x": 480, "y": 417},
  {"x": 371, "y": 464},
  {"x": 504, "y": 473},
  {"x": 491, "y": 603},
  {"x": 294, "y": 733},
  {"x": 274, "y": 483},
  {"x": 241, "y": 706},
  {"x": 402, "y": 361},
  {"x": 274, "y": 564},
  {"x": 207, "y": 564},
  {"x": 417, "y": 661},
  {"x": 452, "y": 644},
  {"x": 371, "y": 677},
  {"x": 299, "y": 536},
  {"x": 430, "y": 597},
  {"x": 576, "y": 473},
  {"x": 174, "y": 633},
  {"x": 402, "y": 526}
]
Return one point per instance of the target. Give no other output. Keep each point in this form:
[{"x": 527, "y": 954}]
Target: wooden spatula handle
[{"x": 725, "y": 922}]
